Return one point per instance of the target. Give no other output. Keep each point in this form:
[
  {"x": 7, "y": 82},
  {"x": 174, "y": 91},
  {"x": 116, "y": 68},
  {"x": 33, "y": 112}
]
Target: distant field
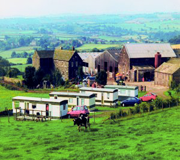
[
  {"x": 175, "y": 46},
  {"x": 21, "y": 67},
  {"x": 7, "y": 54},
  {"x": 17, "y": 60},
  {"x": 98, "y": 46}
]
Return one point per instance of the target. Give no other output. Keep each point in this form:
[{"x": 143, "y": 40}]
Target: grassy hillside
[
  {"x": 21, "y": 67},
  {"x": 98, "y": 46},
  {"x": 154, "y": 136},
  {"x": 7, "y": 54},
  {"x": 17, "y": 60}
]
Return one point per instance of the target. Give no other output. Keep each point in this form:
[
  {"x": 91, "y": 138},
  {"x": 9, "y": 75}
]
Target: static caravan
[
  {"x": 107, "y": 97},
  {"x": 124, "y": 92},
  {"x": 74, "y": 99},
  {"x": 43, "y": 106}
]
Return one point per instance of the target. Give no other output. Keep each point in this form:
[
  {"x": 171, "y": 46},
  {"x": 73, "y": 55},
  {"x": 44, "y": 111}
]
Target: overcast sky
[{"x": 32, "y": 8}]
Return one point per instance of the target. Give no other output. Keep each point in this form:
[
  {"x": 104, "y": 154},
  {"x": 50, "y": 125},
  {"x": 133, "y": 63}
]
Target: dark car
[{"x": 131, "y": 101}]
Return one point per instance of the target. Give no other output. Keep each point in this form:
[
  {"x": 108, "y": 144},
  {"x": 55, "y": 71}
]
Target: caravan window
[
  {"x": 55, "y": 96},
  {"x": 64, "y": 107},
  {"x": 82, "y": 101},
  {"x": 70, "y": 100},
  {"x": 34, "y": 106}
]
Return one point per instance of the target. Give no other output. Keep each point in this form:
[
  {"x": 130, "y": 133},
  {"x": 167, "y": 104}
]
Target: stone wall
[
  {"x": 36, "y": 61},
  {"x": 63, "y": 67}
]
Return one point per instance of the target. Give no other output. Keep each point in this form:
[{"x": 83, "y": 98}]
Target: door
[
  {"x": 77, "y": 101},
  {"x": 47, "y": 110},
  {"x": 26, "y": 108},
  {"x": 102, "y": 98}
]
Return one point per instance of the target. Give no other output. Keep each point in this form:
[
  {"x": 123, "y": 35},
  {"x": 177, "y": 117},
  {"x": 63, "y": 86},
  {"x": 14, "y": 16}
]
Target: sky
[{"x": 34, "y": 8}]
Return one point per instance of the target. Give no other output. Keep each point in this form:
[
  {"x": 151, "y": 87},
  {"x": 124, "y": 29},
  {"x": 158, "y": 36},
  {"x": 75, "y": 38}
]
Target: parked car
[
  {"x": 130, "y": 101},
  {"x": 77, "y": 111},
  {"x": 148, "y": 97}
]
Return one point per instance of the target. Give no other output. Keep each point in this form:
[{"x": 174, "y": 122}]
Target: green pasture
[
  {"x": 7, "y": 54},
  {"x": 147, "y": 136},
  {"x": 21, "y": 67},
  {"x": 98, "y": 46},
  {"x": 17, "y": 60}
]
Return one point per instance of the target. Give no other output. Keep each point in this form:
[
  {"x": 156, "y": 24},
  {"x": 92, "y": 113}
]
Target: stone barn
[
  {"x": 67, "y": 62},
  {"x": 137, "y": 61},
  {"x": 43, "y": 59},
  {"x": 168, "y": 72},
  {"x": 108, "y": 61}
]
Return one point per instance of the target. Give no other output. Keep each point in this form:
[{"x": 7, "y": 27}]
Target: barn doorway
[{"x": 147, "y": 76}]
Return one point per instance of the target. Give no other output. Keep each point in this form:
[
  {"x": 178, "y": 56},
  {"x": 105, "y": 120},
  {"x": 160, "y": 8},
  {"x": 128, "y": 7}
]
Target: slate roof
[
  {"x": 168, "y": 68},
  {"x": 84, "y": 56},
  {"x": 63, "y": 55},
  {"x": 115, "y": 53},
  {"x": 149, "y": 50},
  {"x": 45, "y": 54}
]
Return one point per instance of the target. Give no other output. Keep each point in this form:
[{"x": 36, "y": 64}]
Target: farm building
[
  {"x": 124, "y": 92},
  {"x": 43, "y": 59},
  {"x": 137, "y": 61},
  {"x": 74, "y": 99},
  {"x": 55, "y": 108},
  {"x": 90, "y": 59},
  {"x": 107, "y": 97},
  {"x": 176, "y": 49},
  {"x": 67, "y": 62},
  {"x": 108, "y": 61},
  {"x": 168, "y": 72}
]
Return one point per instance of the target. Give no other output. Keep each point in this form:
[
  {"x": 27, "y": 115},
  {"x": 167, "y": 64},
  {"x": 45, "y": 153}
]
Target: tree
[
  {"x": 13, "y": 72},
  {"x": 38, "y": 76},
  {"x": 57, "y": 79},
  {"x": 25, "y": 54},
  {"x": 80, "y": 73},
  {"x": 2, "y": 72},
  {"x": 4, "y": 64},
  {"x": 29, "y": 60},
  {"x": 13, "y": 55},
  {"x": 29, "y": 76},
  {"x": 101, "y": 78}
]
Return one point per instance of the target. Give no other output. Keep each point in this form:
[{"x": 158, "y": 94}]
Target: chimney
[
  {"x": 157, "y": 61},
  {"x": 73, "y": 48}
]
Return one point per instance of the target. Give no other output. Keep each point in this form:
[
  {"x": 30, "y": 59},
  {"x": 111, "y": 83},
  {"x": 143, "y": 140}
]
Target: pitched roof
[
  {"x": 168, "y": 68},
  {"x": 149, "y": 50},
  {"x": 115, "y": 53},
  {"x": 63, "y": 55},
  {"x": 45, "y": 54},
  {"x": 84, "y": 56}
]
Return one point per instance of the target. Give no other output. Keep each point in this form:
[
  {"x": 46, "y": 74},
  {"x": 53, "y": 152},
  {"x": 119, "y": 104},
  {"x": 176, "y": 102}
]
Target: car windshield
[{"x": 85, "y": 108}]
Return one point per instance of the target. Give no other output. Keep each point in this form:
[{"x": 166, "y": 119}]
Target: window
[
  {"x": 76, "y": 64},
  {"x": 55, "y": 96},
  {"x": 82, "y": 101},
  {"x": 110, "y": 69},
  {"x": 70, "y": 100},
  {"x": 72, "y": 64},
  {"x": 95, "y": 94},
  {"x": 105, "y": 66},
  {"x": 99, "y": 68},
  {"x": 33, "y": 106},
  {"x": 64, "y": 107},
  {"x": 16, "y": 104},
  {"x": 108, "y": 95}
]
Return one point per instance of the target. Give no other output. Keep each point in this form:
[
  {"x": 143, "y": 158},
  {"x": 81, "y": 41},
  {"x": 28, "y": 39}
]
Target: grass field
[
  {"x": 149, "y": 136},
  {"x": 98, "y": 46},
  {"x": 21, "y": 67},
  {"x": 7, "y": 54},
  {"x": 17, "y": 60}
]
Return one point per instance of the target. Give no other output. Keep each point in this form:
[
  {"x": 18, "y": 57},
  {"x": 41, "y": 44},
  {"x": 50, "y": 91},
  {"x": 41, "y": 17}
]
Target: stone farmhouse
[
  {"x": 137, "y": 61},
  {"x": 67, "y": 62},
  {"x": 168, "y": 72}
]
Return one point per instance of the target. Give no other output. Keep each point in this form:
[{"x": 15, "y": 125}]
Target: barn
[
  {"x": 74, "y": 99},
  {"x": 107, "y": 97},
  {"x": 55, "y": 108},
  {"x": 137, "y": 61},
  {"x": 108, "y": 61},
  {"x": 168, "y": 72}
]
